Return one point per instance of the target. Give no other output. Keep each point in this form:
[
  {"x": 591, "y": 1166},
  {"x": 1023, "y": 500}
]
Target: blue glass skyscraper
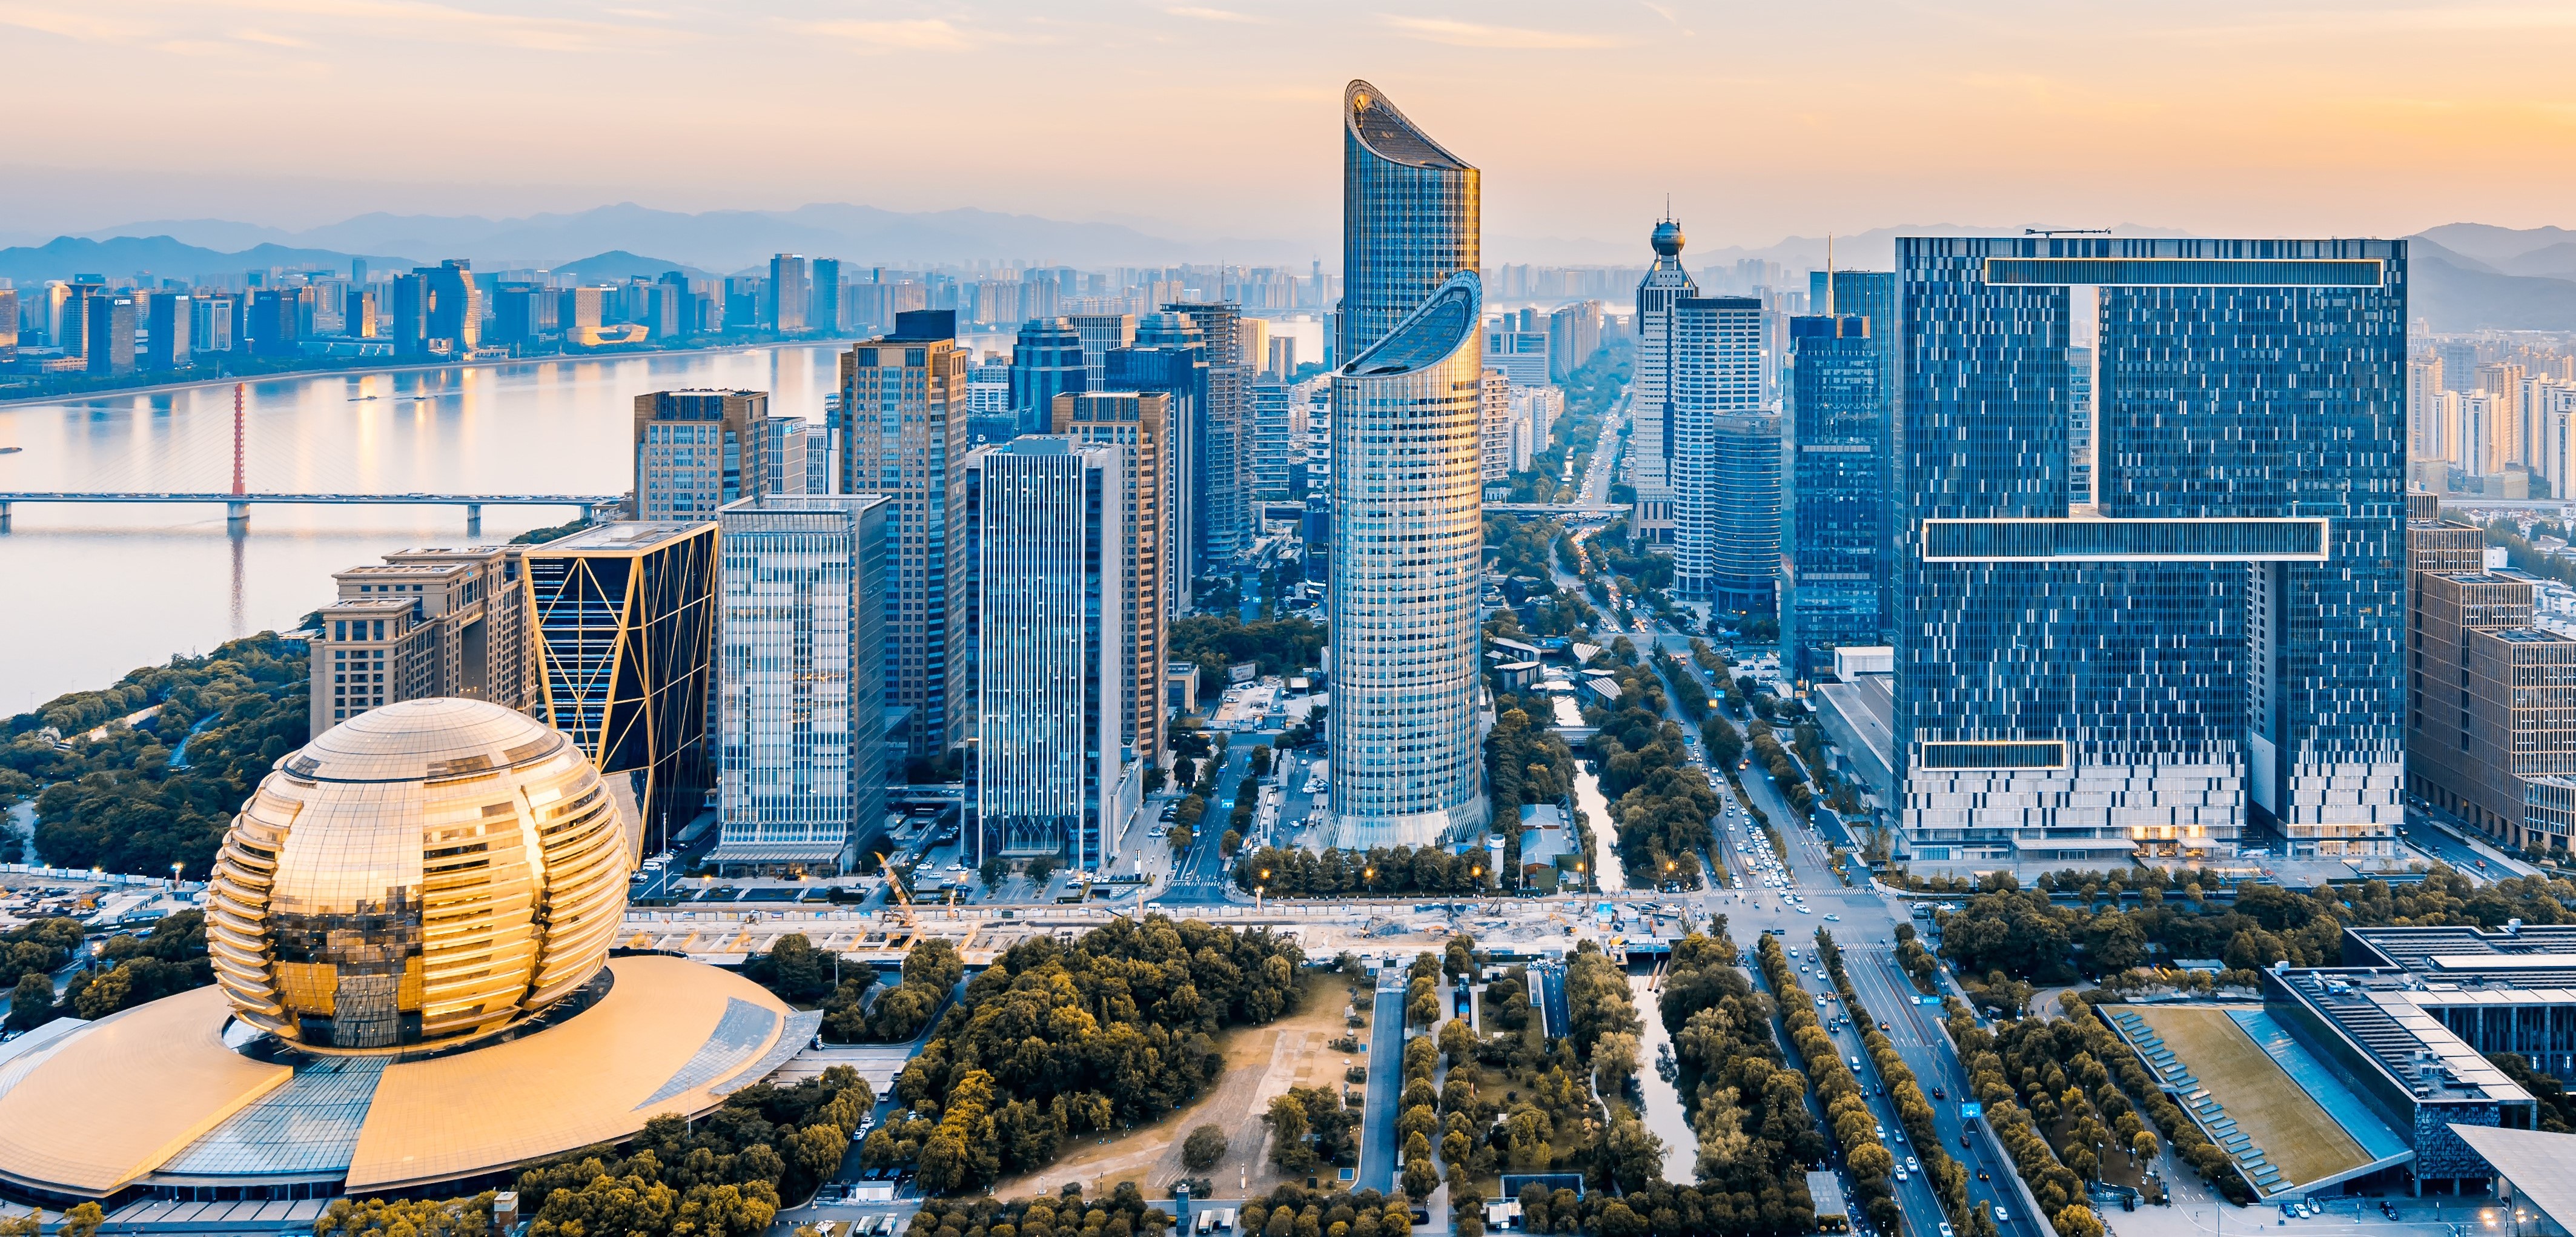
[
  {"x": 1834, "y": 495},
  {"x": 1046, "y": 361},
  {"x": 2209, "y": 634}
]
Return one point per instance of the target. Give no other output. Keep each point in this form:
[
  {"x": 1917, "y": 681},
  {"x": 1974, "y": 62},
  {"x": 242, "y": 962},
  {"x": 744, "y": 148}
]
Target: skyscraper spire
[{"x": 1829, "y": 274}]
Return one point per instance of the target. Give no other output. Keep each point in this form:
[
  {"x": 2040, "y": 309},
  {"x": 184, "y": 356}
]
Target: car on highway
[
  {"x": 1912, "y": 1163},
  {"x": 2002, "y": 1216}
]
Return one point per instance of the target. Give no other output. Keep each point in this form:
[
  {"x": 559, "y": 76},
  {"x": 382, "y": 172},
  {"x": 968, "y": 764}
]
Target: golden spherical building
[
  {"x": 410, "y": 924},
  {"x": 429, "y": 871}
]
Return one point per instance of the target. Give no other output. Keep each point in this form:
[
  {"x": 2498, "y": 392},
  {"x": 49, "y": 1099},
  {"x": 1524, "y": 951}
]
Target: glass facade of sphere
[{"x": 434, "y": 870}]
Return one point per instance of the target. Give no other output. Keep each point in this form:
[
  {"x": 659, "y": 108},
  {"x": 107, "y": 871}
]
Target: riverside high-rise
[{"x": 1407, "y": 511}]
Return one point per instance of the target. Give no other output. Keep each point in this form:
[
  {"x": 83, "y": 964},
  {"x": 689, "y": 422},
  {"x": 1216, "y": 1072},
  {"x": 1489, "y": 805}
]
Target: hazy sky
[{"x": 1219, "y": 117}]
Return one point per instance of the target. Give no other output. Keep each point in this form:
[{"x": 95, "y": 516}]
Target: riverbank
[{"x": 362, "y": 371}]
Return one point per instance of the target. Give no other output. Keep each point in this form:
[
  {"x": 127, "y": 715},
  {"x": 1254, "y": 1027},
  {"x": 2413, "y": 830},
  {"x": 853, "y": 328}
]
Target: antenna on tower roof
[{"x": 1829, "y": 274}]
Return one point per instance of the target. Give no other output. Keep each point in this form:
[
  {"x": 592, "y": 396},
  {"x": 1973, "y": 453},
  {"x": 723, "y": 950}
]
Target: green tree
[
  {"x": 1287, "y": 1122},
  {"x": 31, "y": 1003},
  {"x": 1203, "y": 1149},
  {"x": 81, "y": 1221}
]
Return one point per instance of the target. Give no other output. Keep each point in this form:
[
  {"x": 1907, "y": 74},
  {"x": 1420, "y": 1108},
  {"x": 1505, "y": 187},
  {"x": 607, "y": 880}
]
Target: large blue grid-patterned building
[{"x": 2209, "y": 634}]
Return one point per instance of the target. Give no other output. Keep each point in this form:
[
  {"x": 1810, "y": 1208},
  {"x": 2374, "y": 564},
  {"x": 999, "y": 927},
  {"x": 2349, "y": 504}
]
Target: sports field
[{"x": 2293, "y": 1130}]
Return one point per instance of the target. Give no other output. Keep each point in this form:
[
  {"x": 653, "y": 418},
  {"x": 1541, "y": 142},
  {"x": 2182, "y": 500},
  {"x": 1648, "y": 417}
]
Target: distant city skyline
[{"x": 2253, "y": 119}]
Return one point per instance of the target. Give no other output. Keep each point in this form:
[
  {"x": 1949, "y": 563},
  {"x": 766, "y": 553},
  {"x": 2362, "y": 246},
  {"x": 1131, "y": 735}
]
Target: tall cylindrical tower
[
  {"x": 1407, "y": 551},
  {"x": 1411, "y": 217},
  {"x": 1408, "y": 511}
]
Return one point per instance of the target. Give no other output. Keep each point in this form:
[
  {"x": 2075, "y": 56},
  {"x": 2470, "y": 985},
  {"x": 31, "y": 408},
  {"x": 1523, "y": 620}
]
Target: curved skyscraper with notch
[
  {"x": 1408, "y": 520},
  {"x": 1410, "y": 213}
]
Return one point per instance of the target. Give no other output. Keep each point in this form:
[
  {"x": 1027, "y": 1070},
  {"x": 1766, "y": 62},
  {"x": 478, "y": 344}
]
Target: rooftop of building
[
  {"x": 2447, "y": 949},
  {"x": 1867, "y": 702},
  {"x": 2375, "y": 1011},
  {"x": 173, "y": 1093},
  {"x": 2535, "y": 1161},
  {"x": 1386, "y": 132},
  {"x": 625, "y": 536},
  {"x": 405, "y": 571},
  {"x": 2525, "y": 635},
  {"x": 390, "y": 605}
]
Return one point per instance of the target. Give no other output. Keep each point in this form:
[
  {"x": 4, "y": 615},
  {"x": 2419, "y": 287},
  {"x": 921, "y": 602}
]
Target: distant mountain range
[
  {"x": 733, "y": 240},
  {"x": 2465, "y": 276}
]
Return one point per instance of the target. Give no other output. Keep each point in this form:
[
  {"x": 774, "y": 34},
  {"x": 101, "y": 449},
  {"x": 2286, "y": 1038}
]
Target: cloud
[
  {"x": 86, "y": 27},
  {"x": 1218, "y": 15},
  {"x": 1472, "y": 34},
  {"x": 921, "y": 34},
  {"x": 273, "y": 40}
]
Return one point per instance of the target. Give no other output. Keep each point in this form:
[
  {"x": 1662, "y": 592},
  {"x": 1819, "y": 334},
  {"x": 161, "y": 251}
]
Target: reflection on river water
[{"x": 103, "y": 589}]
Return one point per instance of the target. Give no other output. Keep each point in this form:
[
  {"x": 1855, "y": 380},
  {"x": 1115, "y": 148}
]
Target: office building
[
  {"x": 1521, "y": 355},
  {"x": 1407, "y": 514},
  {"x": 1493, "y": 426},
  {"x": 1046, "y": 361},
  {"x": 1138, "y": 425},
  {"x": 1046, "y": 526},
  {"x": 903, "y": 401},
  {"x": 788, "y": 294},
  {"x": 1279, "y": 438},
  {"x": 8, "y": 323},
  {"x": 412, "y": 918},
  {"x": 1169, "y": 358},
  {"x": 423, "y": 623},
  {"x": 1221, "y": 504},
  {"x": 1101, "y": 334},
  {"x": 1723, "y": 453},
  {"x": 621, "y": 618},
  {"x": 108, "y": 321},
  {"x": 451, "y": 307},
  {"x": 2491, "y": 723},
  {"x": 800, "y": 684},
  {"x": 1651, "y": 435},
  {"x": 696, "y": 450},
  {"x": 1407, "y": 546},
  {"x": 1834, "y": 490},
  {"x": 210, "y": 323},
  {"x": 2424, "y": 392},
  {"x": 275, "y": 323},
  {"x": 1573, "y": 335},
  {"x": 823, "y": 297},
  {"x": 2210, "y": 644},
  {"x": 165, "y": 337},
  {"x": 988, "y": 401}
]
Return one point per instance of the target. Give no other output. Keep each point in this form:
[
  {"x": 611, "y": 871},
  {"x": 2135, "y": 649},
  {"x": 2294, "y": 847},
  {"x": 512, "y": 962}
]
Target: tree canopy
[{"x": 1054, "y": 1041}]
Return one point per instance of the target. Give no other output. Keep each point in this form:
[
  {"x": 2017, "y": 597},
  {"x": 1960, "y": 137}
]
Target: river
[
  {"x": 1609, "y": 877},
  {"x": 1664, "y": 1113},
  {"x": 102, "y": 588}
]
